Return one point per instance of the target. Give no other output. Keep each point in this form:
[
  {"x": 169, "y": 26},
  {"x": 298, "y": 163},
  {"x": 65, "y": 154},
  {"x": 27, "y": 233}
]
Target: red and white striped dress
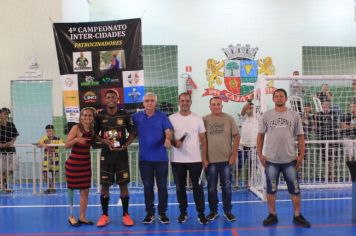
[{"x": 78, "y": 165}]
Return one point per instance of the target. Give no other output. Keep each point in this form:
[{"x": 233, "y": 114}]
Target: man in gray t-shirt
[
  {"x": 281, "y": 128},
  {"x": 277, "y": 153},
  {"x": 223, "y": 142}
]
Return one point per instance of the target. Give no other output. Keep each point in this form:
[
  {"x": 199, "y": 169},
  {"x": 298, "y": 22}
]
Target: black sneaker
[
  {"x": 148, "y": 219},
  {"x": 300, "y": 220},
  {"x": 202, "y": 219},
  {"x": 270, "y": 220},
  {"x": 229, "y": 216},
  {"x": 212, "y": 216},
  {"x": 182, "y": 218},
  {"x": 163, "y": 218}
]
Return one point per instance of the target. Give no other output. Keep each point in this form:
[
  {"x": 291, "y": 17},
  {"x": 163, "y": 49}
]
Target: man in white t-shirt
[
  {"x": 189, "y": 135},
  {"x": 249, "y": 130},
  {"x": 249, "y": 126}
]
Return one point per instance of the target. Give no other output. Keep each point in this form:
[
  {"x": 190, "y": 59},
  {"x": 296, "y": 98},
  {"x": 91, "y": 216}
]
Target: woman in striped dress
[{"x": 78, "y": 165}]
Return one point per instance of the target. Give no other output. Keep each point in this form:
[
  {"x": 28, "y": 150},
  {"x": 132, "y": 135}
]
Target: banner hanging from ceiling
[{"x": 94, "y": 57}]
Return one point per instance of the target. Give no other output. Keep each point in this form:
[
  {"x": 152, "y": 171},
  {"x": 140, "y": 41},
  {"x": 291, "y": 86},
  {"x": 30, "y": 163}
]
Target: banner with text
[{"x": 95, "y": 57}]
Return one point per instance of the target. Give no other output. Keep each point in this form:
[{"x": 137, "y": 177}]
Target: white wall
[
  {"x": 26, "y": 32},
  {"x": 200, "y": 28}
]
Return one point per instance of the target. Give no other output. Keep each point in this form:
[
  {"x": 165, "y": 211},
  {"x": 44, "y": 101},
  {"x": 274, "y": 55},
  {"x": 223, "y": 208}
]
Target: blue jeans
[
  {"x": 273, "y": 171},
  {"x": 244, "y": 156},
  {"x": 222, "y": 170},
  {"x": 149, "y": 171}
]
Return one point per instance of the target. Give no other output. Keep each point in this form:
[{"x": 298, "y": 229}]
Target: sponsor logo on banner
[
  {"x": 133, "y": 94},
  {"x": 82, "y": 61},
  {"x": 108, "y": 80},
  {"x": 69, "y": 82},
  {"x": 89, "y": 82},
  {"x": 133, "y": 78},
  {"x": 72, "y": 114},
  {"x": 239, "y": 72},
  {"x": 90, "y": 97},
  {"x": 70, "y": 98}
]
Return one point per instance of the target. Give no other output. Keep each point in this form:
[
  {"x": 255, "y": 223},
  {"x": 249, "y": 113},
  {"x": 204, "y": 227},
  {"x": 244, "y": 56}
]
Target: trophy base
[{"x": 117, "y": 144}]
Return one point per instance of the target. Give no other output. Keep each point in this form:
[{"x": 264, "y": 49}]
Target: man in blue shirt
[{"x": 154, "y": 136}]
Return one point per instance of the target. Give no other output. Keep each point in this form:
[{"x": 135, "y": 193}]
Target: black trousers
[{"x": 180, "y": 171}]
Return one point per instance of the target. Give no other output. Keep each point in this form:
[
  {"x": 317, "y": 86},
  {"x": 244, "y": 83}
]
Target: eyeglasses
[{"x": 149, "y": 100}]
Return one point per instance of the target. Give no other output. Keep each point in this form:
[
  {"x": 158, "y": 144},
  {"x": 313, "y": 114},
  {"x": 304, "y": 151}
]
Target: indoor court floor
[{"x": 329, "y": 211}]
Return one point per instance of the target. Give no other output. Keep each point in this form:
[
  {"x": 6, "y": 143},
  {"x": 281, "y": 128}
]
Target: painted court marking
[{"x": 175, "y": 204}]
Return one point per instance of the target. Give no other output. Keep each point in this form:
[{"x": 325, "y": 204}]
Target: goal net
[
  {"x": 327, "y": 107},
  {"x": 161, "y": 75}
]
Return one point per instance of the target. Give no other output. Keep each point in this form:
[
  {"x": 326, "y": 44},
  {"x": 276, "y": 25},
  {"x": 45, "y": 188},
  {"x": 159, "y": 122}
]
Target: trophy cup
[{"x": 112, "y": 137}]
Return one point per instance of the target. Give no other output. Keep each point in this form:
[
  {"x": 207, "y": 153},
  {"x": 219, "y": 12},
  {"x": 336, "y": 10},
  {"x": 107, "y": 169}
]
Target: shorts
[
  {"x": 51, "y": 163},
  {"x": 7, "y": 162},
  {"x": 290, "y": 175},
  {"x": 114, "y": 168}
]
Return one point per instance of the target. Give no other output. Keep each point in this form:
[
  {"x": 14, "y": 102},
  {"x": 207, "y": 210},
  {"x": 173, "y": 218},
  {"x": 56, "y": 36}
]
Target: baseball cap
[{"x": 5, "y": 109}]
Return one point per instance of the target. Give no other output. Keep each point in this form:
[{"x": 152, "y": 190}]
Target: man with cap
[{"x": 8, "y": 135}]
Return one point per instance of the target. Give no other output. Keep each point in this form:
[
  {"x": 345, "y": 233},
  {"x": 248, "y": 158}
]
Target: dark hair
[
  {"x": 49, "y": 127},
  {"x": 280, "y": 90},
  {"x": 5, "y": 109},
  {"x": 216, "y": 97},
  {"x": 307, "y": 104},
  {"x": 185, "y": 94}
]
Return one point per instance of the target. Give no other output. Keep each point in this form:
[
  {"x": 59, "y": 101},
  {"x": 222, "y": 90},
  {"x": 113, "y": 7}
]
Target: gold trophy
[{"x": 112, "y": 137}]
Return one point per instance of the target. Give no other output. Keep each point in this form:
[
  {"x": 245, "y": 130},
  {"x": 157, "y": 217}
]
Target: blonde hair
[{"x": 80, "y": 125}]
